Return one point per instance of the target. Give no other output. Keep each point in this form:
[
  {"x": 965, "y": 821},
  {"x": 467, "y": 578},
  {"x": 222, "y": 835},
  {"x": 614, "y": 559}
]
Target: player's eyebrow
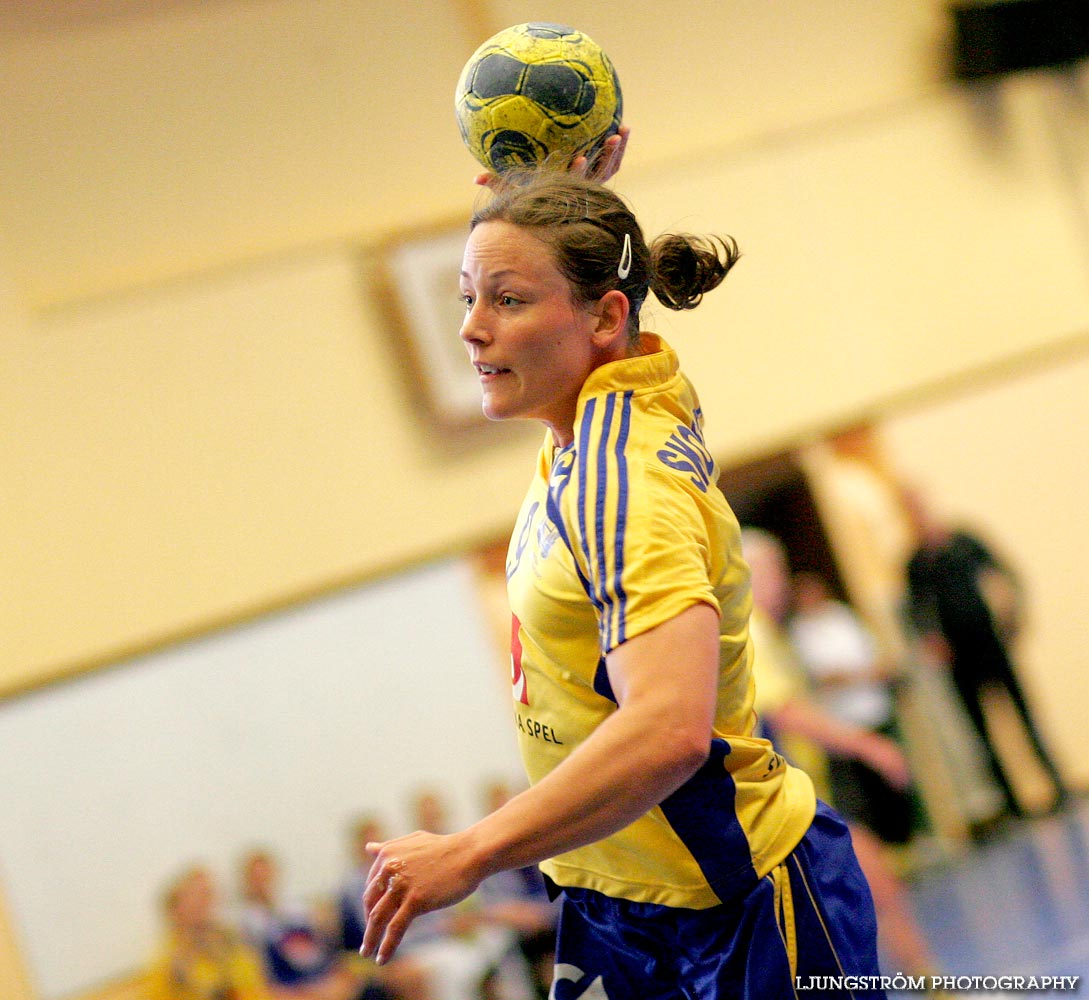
[{"x": 493, "y": 275}]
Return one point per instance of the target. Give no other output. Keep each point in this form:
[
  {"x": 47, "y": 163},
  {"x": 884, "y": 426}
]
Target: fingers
[
  {"x": 599, "y": 167},
  {"x": 385, "y": 903},
  {"x": 608, "y": 161},
  {"x": 387, "y": 920},
  {"x": 372, "y": 895}
]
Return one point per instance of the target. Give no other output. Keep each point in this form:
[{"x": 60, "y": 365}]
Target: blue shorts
[{"x": 812, "y": 917}]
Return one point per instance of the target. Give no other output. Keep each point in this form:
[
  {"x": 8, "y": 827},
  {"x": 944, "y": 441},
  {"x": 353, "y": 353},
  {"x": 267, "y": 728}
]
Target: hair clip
[{"x": 624, "y": 267}]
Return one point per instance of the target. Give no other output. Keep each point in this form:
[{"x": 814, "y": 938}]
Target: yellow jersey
[{"x": 621, "y": 531}]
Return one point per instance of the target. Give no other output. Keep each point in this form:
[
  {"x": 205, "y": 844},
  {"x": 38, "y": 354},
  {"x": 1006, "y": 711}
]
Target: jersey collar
[{"x": 656, "y": 364}]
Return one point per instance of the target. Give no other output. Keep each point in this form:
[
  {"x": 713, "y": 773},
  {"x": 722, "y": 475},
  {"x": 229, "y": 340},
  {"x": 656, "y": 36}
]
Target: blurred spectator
[
  {"x": 785, "y": 707},
  {"x": 860, "y": 501},
  {"x": 517, "y": 900},
  {"x": 849, "y": 682},
  {"x": 442, "y": 952},
  {"x": 402, "y": 977},
  {"x": 202, "y": 958},
  {"x": 966, "y": 607},
  {"x": 429, "y": 811},
  {"x": 301, "y": 958},
  {"x": 364, "y": 830}
]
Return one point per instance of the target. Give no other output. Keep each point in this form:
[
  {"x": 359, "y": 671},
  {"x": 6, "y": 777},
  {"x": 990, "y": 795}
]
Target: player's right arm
[{"x": 665, "y": 681}]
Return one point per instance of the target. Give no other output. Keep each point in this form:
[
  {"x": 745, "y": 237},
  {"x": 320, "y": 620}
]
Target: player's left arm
[{"x": 665, "y": 681}]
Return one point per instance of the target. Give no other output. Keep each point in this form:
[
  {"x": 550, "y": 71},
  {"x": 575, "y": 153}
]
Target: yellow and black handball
[{"x": 537, "y": 91}]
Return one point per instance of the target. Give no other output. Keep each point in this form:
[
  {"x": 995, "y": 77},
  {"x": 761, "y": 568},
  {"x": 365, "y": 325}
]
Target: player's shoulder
[{"x": 678, "y": 452}]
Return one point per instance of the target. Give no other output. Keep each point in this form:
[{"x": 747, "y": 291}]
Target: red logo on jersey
[{"x": 517, "y": 677}]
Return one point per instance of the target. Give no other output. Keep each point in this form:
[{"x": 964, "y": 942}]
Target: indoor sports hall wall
[
  {"x": 277, "y": 732},
  {"x": 219, "y": 446},
  {"x": 208, "y": 423}
]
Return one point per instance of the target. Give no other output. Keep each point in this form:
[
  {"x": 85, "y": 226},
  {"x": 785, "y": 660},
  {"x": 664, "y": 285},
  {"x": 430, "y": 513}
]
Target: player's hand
[
  {"x": 603, "y": 167},
  {"x": 606, "y": 163},
  {"x": 411, "y": 876}
]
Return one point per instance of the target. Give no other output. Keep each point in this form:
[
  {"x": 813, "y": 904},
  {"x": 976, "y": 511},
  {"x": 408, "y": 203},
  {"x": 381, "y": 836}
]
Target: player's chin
[
  {"x": 498, "y": 405},
  {"x": 493, "y": 410}
]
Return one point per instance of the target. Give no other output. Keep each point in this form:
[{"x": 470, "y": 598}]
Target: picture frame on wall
[{"x": 421, "y": 274}]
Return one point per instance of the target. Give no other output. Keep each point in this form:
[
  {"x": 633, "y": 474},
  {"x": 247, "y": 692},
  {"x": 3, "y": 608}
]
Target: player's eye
[{"x": 507, "y": 300}]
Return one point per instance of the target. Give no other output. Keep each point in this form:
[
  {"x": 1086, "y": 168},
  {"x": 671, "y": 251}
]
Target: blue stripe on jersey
[
  {"x": 609, "y": 596},
  {"x": 702, "y": 814},
  {"x": 582, "y": 458},
  {"x": 552, "y": 512},
  {"x": 622, "y": 514},
  {"x": 605, "y": 595}
]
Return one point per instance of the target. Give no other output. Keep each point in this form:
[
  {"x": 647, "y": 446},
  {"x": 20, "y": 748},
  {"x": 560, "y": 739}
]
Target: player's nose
[{"x": 474, "y": 327}]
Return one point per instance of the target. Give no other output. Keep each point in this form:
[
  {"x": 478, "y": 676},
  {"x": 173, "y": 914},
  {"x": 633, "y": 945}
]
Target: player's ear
[{"x": 611, "y": 313}]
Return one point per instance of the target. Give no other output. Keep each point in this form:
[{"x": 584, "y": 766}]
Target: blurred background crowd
[{"x": 251, "y": 939}]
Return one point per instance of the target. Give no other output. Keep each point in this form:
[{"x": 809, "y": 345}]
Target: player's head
[
  {"x": 533, "y": 327},
  {"x": 595, "y": 240},
  {"x": 599, "y": 246}
]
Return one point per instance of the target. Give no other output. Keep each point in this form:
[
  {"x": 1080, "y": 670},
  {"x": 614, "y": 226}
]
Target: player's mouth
[{"x": 488, "y": 372}]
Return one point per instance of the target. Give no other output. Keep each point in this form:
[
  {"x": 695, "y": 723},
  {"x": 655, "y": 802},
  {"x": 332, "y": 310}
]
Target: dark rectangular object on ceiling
[{"x": 1004, "y": 36}]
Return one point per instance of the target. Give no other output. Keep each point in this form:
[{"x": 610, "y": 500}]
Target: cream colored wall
[
  {"x": 882, "y": 256},
  {"x": 188, "y": 456},
  {"x": 14, "y": 978},
  {"x": 205, "y": 411},
  {"x": 193, "y": 134},
  {"x": 197, "y": 134}
]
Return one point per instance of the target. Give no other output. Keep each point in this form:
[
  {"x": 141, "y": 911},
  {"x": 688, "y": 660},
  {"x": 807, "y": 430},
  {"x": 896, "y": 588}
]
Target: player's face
[{"x": 530, "y": 341}]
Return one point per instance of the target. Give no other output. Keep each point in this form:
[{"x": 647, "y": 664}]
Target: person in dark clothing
[{"x": 965, "y": 604}]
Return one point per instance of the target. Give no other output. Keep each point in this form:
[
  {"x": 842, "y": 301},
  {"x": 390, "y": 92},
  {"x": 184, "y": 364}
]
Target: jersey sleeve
[{"x": 644, "y": 547}]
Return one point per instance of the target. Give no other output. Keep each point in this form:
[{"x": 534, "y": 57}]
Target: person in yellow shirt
[
  {"x": 692, "y": 859},
  {"x": 201, "y": 958}
]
